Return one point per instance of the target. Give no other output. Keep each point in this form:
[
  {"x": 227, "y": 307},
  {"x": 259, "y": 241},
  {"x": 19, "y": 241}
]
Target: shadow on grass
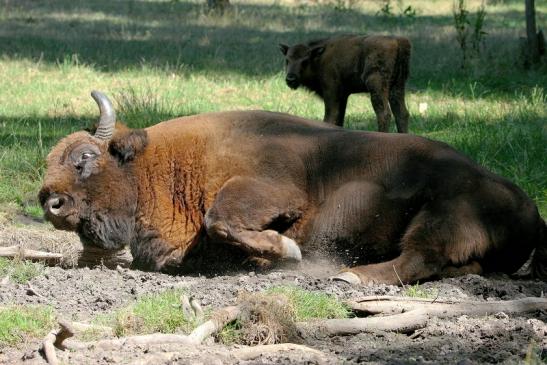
[{"x": 176, "y": 36}]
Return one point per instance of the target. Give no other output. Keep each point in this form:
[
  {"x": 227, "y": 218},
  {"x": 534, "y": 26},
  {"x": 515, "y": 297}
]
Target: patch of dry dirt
[{"x": 82, "y": 293}]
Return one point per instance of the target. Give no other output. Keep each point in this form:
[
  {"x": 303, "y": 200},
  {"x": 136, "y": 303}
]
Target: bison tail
[
  {"x": 539, "y": 262},
  {"x": 403, "y": 59}
]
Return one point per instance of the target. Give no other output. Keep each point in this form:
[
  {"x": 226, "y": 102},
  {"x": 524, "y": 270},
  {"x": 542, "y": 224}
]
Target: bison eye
[{"x": 86, "y": 156}]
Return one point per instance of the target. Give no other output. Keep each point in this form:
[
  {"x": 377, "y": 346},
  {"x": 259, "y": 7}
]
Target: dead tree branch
[
  {"x": 251, "y": 353},
  {"x": 406, "y": 315},
  {"x": 27, "y": 254},
  {"x": 219, "y": 319}
]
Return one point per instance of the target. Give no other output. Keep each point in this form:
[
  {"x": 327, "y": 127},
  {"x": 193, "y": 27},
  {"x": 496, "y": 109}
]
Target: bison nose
[
  {"x": 290, "y": 78},
  {"x": 54, "y": 205}
]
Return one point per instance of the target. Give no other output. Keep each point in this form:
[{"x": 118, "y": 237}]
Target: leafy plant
[{"x": 467, "y": 33}]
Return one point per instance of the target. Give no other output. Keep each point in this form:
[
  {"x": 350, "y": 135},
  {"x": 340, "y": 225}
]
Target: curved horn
[{"x": 108, "y": 116}]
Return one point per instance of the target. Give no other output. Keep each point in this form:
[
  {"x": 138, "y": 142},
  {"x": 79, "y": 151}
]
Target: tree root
[
  {"x": 251, "y": 353},
  {"x": 444, "y": 309},
  {"x": 27, "y": 254},
  {"x": 56, "y": 339},
  {"x": 405, "y": 315}
]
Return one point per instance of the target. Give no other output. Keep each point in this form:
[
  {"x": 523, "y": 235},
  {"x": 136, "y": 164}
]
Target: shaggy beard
[{"x": 107, "y": 232}]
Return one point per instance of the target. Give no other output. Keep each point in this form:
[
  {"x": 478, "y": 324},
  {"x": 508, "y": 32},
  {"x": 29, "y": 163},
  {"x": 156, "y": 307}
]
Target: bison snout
[
  {"x": 54, "y": 205},
  {"x": 292, "y": 81}
]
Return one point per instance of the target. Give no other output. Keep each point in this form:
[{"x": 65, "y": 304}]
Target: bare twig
[
  {"x": 32, "y": 291},
  {"x": 398, "y": 277},
  {"x": 218, "y": 320},
  {"x": 186, "y": 307},
  {"x": 18, "y": 251},
  {"x": 49, "y": 349},
  {"x": 54, "y": 339},
  {"x": 198, "y": 311}
]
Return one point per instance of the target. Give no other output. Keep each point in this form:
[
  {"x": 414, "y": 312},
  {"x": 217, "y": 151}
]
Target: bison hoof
[
  {"x": 347, "y": 277},
  {"x": 290, "y": 249}
]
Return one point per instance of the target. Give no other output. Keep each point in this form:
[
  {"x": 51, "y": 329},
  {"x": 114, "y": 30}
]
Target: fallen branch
[
  {"x": 251, "y": 353},
  {"x": 219, "y": 319},
  {"x": 54, "y": 339},
  {"x": 405, "y": 315},
  {"x": 402, "y": 323},
  {"x": 27, "y": 254},
  {"x": 444, "y": 309}
]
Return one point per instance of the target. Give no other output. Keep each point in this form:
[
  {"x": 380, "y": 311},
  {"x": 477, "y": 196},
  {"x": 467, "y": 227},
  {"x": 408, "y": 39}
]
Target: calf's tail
[
  {"x": 402, "y": 63},
  {"x": 539, "y": 261}
]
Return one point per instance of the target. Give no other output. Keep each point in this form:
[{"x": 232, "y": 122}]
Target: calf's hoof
[{"x": 348, "y": 277}]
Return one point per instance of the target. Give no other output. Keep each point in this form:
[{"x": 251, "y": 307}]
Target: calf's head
[
  {"x": 89, "y": 185},
  {"x": 299, "y": 62}
]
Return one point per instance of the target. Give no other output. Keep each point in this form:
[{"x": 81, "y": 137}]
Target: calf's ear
[
  {"x": 127, "y": 143},
  {"x": 317, "y": 51},
  {"x": 283, "y": 48}
]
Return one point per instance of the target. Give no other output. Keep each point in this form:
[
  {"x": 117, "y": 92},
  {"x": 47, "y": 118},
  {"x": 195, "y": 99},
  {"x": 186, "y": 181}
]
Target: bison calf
[{"x": 337, "y": 67}]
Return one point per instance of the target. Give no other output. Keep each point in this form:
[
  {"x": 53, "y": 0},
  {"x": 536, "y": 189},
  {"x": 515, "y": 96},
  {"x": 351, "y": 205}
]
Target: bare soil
[{"x": 83, "y": 293}]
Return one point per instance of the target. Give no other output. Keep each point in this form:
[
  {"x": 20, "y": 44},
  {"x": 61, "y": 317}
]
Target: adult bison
[
  {"x": 272, "y": 184},
  {"x": 336, "y": 67}
]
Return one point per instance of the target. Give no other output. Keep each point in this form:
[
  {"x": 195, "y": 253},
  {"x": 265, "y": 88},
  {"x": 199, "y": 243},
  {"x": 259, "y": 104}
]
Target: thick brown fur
[
  {"x": 336, "y": 67},
  {"x": 257, "y": 181}
]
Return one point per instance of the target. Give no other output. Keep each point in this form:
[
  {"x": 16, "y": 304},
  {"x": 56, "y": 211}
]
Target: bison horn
[{"x": 108, "y": 116}]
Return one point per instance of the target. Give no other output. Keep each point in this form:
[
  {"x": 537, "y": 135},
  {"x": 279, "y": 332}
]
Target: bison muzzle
[
  {"x": 275, "y": 186},
  {"x": 336, "y": 67}
]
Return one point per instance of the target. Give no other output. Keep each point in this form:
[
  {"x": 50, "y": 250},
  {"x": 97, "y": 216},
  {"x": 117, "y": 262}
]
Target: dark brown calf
[{"x": 337, "y": 67}]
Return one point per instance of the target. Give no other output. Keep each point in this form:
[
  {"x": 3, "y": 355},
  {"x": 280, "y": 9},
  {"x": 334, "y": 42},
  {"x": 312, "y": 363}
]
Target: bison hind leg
[{"x": 445, "y": 239}]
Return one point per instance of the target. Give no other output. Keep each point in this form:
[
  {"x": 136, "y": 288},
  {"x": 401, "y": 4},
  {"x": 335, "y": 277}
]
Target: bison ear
[
  {"x": 317, "y": 51},
  {"x": 283, "y": 48},
  {"x": 127, "y": 143}
]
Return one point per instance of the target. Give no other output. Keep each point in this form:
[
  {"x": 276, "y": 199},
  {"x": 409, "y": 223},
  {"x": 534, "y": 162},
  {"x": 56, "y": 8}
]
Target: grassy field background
[{"x": 162, "y": 59}]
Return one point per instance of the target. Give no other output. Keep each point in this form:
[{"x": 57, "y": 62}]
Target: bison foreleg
[{"x": 250, "y": 213}]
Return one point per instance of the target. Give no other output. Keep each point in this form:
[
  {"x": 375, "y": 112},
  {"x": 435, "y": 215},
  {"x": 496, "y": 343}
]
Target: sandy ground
[{"x": 82, "y": 293}]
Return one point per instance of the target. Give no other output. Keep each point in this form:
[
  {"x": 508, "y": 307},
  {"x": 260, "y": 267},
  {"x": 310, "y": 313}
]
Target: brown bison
[
  {"x": 273, "y": 184},
  {"x": 337, "y": 67}
]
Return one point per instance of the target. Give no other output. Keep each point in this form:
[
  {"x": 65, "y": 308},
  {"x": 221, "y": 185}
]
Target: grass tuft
[
  {"x": 417, "y": 291},
  {"x": 311, "y": 305},
  {"x": 151, "y": 313},
  {"x": 20, "y": 271},
  {"x": 17, "y": 323}
]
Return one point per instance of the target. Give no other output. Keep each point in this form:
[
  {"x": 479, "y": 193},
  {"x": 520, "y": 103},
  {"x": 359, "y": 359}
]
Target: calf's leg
[
  {"x": 248, "y": 212},
  {"x": 335, "y": 107},
  {"x": 379, "y": 98},
  {"x": 398, "y": 107}
]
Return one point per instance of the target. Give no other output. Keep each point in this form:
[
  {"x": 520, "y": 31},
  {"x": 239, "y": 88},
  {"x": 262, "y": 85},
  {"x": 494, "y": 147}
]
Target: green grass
[
  {"x": 311, "y": 305},
  {"x": 417, "y": 291},
  {"x": 17, "y": 323},
  {"x": 160, "y": 59},
  {"x": 19, "y": 271},
  {"x": 150, "y": 314}
]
